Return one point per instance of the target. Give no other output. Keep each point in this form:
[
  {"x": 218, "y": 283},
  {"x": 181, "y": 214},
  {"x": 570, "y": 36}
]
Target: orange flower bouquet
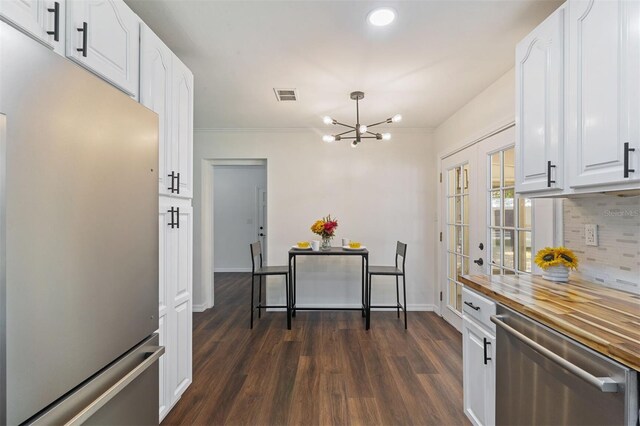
[{"x": 326, "y": 228}]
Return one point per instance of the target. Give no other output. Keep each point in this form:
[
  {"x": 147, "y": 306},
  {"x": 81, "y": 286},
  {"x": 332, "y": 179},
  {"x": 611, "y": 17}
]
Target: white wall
[
  {"x": 489, "y": 110},
  {"x": 380, "y": 192},
  {"x": 235, "y": 210}
]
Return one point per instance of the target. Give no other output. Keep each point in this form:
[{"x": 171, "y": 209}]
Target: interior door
[
  {"x": 459, "y": 230},
  {"x": 262, "y": 219}
]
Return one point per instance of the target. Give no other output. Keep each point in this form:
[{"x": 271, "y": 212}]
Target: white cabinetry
[
  {"x": 166, "y": 87},
  {"x": 176, "y": 231},
  {"x": 43, "y": 20},
  {"x": 540, "y": 106},
  {"x": 604, "y": 95},
  {"x": 582, "y": 64},
  {"x": 478, "y": 358},
  {"x": 103, "y": 36}
]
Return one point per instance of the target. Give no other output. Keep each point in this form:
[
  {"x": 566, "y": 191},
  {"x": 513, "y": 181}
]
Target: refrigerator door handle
[
  {"x": 89, "y": 410},
  {"x": 605, "y": 384}
]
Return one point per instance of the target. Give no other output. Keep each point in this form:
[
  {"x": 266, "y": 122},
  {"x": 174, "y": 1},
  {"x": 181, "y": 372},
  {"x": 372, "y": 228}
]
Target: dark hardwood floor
[{"x": 327, "y": 370}]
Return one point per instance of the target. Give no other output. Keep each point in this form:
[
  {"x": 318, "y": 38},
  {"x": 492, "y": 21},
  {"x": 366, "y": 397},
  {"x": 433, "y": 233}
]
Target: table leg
[
  {"x": 295, "y": 284},
  {"x": 368, "y": 294},
  {"x": 288, "y": 296}
]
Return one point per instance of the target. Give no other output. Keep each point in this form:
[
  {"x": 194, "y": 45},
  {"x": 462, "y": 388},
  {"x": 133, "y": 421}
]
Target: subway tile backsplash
[{"x": 615, "y": 262}]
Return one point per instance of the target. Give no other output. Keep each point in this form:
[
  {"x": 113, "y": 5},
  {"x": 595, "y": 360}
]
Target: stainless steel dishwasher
[{"x": 545, "y": 378}]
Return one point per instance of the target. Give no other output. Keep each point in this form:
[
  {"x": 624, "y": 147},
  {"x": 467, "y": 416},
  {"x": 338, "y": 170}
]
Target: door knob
[{"x": 479, "y": 262}]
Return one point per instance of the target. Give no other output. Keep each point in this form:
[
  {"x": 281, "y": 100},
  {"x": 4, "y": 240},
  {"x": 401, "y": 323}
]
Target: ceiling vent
[{"x": 286, "y": 94}]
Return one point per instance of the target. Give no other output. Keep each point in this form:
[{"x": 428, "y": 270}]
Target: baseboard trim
[
  {"x": 232, "y": 270},
  {"x": 199, "y": 308}
]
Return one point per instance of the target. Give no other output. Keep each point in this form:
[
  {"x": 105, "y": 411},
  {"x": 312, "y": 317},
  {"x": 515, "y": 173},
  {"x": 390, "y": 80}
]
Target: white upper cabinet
[
  {"x": 182, "y": 143},
  {"x": 103, "y": 36},
  {"x": 43, "y": 20},
  {"x": 155, "y": 93},
  {"x": 604, "y": 95},
  {"x": 540, "y": 106}
]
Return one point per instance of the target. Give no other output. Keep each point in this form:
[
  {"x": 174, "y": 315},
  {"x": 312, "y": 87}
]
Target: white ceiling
[{"x": 432, "y": 60}]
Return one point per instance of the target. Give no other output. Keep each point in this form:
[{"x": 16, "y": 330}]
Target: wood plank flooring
[{"x": 327, "y": 370}]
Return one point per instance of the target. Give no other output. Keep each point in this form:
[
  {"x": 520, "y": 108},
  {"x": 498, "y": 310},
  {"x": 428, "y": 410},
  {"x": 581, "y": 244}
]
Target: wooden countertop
[{"x": 604, "y": 319}]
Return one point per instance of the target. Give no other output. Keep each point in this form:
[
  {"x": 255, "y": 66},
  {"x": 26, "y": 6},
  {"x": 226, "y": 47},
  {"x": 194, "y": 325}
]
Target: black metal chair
[
  {"x": 260, "y": 271},
  {"x": 401, "y": 251}
]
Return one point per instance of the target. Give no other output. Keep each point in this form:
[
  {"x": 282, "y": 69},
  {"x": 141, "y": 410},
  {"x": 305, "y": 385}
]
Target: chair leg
[
  {"x": 252, "y": 307},
  {"x": 286, "y": 296},
  {"x": 260, "y": 297},
  {"x": 404, "y": 290},
  {"x": 369, "y": 301},
  {"x": 397, "y": 298}
]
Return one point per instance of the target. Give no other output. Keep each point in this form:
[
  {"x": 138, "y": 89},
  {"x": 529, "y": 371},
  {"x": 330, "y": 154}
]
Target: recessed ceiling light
[{"x": 382, "y": 16}]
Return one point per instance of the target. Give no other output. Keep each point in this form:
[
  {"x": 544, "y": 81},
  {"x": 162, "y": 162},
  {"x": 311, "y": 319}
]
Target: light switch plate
[{"x": 591, "y": 234}]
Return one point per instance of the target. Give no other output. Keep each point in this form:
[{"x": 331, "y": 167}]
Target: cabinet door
[
  {"x": 164, "y": 313},
  {"x": 24, "y": 14},
  {"x": 478, "y": 374},
  {"x": 155, "y": 94},
  {"x": 112, "y": 41},
  {"x": 42, "y": 19},
  {"x": 540, "y": 106},
  {"x": 182, "y": 300},
  {"x": 182, "y": 143},
  {"x": 604, "y": 64}
]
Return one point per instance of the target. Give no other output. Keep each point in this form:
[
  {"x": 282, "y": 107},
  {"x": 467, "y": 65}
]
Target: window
[
  {"x": 510, "y": 218},
  {"x": 458, "y": 232}
]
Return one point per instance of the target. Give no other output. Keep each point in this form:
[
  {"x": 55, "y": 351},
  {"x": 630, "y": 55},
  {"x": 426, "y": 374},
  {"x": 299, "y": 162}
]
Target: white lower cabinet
[
  {"x": 478, "y": 359},
  {"x": 175, "y": 299}
]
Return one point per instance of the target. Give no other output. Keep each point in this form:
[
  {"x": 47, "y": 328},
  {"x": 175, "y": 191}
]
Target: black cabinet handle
[
  {"x": 479, "y": 262},
  {"x": 549, "y": 167},
  {"x": 171, "y": 211},
  {"x": 172, "y": 188},
  {"x": 627, "y": 152},
  {"x": 472, "y": 306},
  {"x": 178, "y": 217},
  {"x": 178, "y": 187},
  {"x": 56, "y": 21},
  {"x": 485, "y": 342},
  {"x": 84, "y": 32}
]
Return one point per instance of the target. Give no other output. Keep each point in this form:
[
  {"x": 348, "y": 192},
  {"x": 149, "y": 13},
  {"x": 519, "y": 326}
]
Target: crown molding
[{"x": 315, "y": 130}]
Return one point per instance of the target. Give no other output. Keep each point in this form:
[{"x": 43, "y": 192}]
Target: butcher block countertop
[{"x": 604, "y": 319}]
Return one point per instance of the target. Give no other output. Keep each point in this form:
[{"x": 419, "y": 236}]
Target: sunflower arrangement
[
  {"x": 552, "y": 256},
  {"x": 325, "y": 227}
]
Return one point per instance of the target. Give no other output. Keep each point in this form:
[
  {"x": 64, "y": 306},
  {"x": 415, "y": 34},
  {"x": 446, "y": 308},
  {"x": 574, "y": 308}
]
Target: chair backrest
[
  {"x": 256, "y": 250},
  {"x": 401, "y": 251}
]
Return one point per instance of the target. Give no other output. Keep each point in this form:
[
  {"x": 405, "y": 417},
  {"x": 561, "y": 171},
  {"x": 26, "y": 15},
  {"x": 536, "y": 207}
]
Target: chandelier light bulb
[
  {"x": 327, "y": 120},
  {"x": 363, "y": 129},
  {"x": 396, "y": 118},
  {"x": 328, "y": 138},
  {"x": 386, "y": 136}
]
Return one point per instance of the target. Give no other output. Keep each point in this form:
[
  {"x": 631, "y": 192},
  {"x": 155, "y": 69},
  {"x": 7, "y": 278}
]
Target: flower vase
[
  {"x": 326, "y": 243},
  {"x": 556, "y": 273}
]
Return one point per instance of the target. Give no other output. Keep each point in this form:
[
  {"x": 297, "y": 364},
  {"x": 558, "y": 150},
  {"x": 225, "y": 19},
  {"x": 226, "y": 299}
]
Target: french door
[{"x": 479, "y": 223}]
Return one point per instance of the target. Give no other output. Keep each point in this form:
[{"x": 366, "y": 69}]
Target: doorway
[{"x": 239, "y": 214}]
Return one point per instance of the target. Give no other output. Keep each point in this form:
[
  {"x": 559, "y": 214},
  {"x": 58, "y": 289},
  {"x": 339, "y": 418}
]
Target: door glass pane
[
  {"x": 465, "y": 239},
  {"x": 458, "y": 267},
  {"x": 458, "y": 207},
  {"x": 507, "y": 197},
  {"x": 458, "y": 180},
  {"x": 451, "y": 216},
  {"x": 495, "y": 170},
  {"x": 452, "y": 294},
  {"x": 465, "y": 178},
  {"x": 509, "y": 168},
  {"x": 458, "y": 239},
  {"x": 524, "y": 251},
  {"x": 452, "y": 181},
  {"x": 494, "y": 211},
  {"x": 465, "y": 265},
  {"x": 452, "y": 267},
  {"x": 524, "y": 213},
  {"x": 458, "y": 298},
  {"x": 508, "y": 272},
  {"x": 508, "y": 242},
  {"x": 496, "y": 247},
  {"x": 465, "y": 209},
  {"x": 452, "y": 238}
]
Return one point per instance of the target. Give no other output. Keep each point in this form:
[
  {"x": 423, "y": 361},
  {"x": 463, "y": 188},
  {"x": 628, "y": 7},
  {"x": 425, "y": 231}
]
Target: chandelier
[{"x": 361, "y": 130}]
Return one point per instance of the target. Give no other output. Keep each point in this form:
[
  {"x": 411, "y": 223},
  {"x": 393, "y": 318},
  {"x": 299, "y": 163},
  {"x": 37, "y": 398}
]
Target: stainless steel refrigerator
[{"x": 78, "y": 246}]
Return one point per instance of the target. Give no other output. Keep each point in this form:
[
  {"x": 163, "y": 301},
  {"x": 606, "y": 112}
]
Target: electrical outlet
[{"x": 591, "y": 235}]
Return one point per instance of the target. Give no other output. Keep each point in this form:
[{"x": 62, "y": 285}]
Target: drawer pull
[
  {"x": 485, "y": 342},
  {"x": 627, "y": 153},
  {"x": 549, "y": 167},
  {"x": 472, "y": 306},
  {"x": 84, "y": 32},
  {"x": 56, "y": 21}
]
